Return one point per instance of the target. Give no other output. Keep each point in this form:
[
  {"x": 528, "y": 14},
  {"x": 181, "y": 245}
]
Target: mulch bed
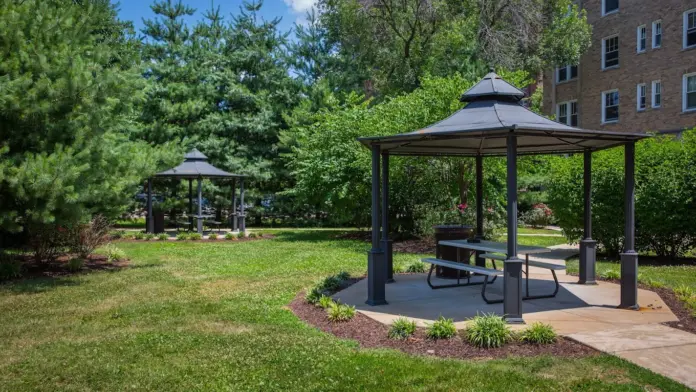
[
  {"x": 58, "y": 268},
  {"x": 372, "y": 334}
]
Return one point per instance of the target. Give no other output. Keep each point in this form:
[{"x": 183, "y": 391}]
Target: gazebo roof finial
[
  {"x": 492, "y": 87},
  {"x": 195, "y": 155}
]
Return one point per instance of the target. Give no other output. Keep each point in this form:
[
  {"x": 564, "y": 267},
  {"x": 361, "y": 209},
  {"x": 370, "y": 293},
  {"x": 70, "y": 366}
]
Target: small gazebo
[
  {"x": 494, "y": 123},
  {"x": 196, "y": 166}
]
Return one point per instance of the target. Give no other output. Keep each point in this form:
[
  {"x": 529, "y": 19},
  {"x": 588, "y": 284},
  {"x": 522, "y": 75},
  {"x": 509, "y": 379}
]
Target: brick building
[{"x": 640, "y": 73}]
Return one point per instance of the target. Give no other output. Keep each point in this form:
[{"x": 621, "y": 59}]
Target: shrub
[
  {"x": 488, "y": 331},
  {"x": 230, "y": 236},
  {"x": 416, "y": 267},
  {"x": 611, "y": 274},
  {"x": 139, "y": 235},
  {"x": 10, "y": 267},
  {"x": 402, "y": 328},
  {"x": 162, "y": 237},
  {"x": 182, "y": 237},
  {"x": 340, "y": 312},
  {"x": 313, "y": 295},
  {"x": 251, "y": 235},
  {"x": 442, "y": 328},
  {"x": 47, "y": 241},
  {"x": 149, "y": 236},
  {"x": 343, "y": 275},
  {"x": 331, "y": 283},
  {"x": 114, "y": 253},
  {"x": 538, "y": 333},
  {"x": 539, "y": 216},
  {"x": 212, "y": 236},
  {"x": 83, "y": 239},
  {"x": 75, "y": 264},
  {"x": 195, "y": 236},
  {"x": 324, "y": 301}
]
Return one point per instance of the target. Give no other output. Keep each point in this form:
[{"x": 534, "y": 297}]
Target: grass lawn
[
  {"x": 543, "y": 241},
  {"x": 211, "y": 316},
  {"x": 669, "y": 276}
]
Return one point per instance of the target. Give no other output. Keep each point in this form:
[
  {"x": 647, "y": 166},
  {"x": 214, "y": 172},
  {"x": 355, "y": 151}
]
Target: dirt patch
[
  {"x": 59, "y": 267},
  {"x": 372, "y": 334}
]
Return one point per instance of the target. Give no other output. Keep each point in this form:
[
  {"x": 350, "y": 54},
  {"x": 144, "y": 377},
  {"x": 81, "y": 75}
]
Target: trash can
[{"x": 451, "y": 232}]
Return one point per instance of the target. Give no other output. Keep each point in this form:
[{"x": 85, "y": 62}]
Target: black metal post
[
  {"x": 588, "y": 246},
  {"x": 233, "y": 216},
  {"x": 629, "y": 257},
  {"x": 150, "y": 220},
  {"x": 479, "y": 209},
  {"x": 387, "y": 244},
  {"x": 200, "y": 206},
  {"x": 190, "y": 210},
  {"x": 512, "y": 284},
  {"x": 242, "y": 214},
  {"x": 376, "y": 265}
]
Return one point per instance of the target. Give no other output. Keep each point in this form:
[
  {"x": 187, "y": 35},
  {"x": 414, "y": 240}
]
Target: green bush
[
  {"x": 128, "y": 236},
  {"x": 340, "y": 312},
  {"x": 195, "y": 236},
  {"x": 10, "y": 267},
  {"x": 416, "y": 267},
  {"x": 324, "y": 302},
  {"x": 539, "y": 216},
  {"x": 163, "y": 237},
  {"x": 251, "y": 235},
  {"x": 230, "y": 236},
  {"x": 139, "y": 235},
  {"x": 313, "y": 295},
  {"x": 611, "y": 274},
  {"x": 75, "y": 264},
  {"x": 114, "y": 253},
  {"x": 343, "y": 275},
  {"x": 182, "y": 237},
  {"x": 442, "y": 328},
  {"x": 212, "y": 236},
  {"x": 488, "y": 331},
  {"x": 665, "y": 187},
  {"x": 117, "y": 234},
  {"x": 538, "y": 333},
  {"x": 331, "y": 283},
  {"x": 402, "y": 328},
  {"x": 149, "y": 236}
]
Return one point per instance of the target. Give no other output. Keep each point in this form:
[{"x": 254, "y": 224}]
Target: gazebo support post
[
  {"x": 386, "y": 242},
  {"x": 588, "y": 246},
  {"x": 200, "y": 207},
  {"x": 150, "y": 220},
  {"x": 190, "y": 210},
  {"x": 376, "y": 263},
  {"x": 242, "y": 215},
  {"x": 629, "y": 257},
  {"x": 512, "y": 283},
  {"x": 479, "y": 208},
  {"x": 233, "y": 215}
]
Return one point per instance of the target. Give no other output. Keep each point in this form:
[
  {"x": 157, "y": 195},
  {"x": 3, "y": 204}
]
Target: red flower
[
  {"x": 490, "y": 209},
  {"x": 462, "y": 207}
]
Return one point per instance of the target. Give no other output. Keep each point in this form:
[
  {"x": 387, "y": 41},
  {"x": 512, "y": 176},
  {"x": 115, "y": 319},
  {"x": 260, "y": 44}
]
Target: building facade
[{"x": 639, "y": 75}]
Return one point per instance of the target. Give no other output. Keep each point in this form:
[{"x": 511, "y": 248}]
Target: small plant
[
  {"x": 684, "y": 292},
  {"x": 402, "y": 328},
  {"x": 139, "y": 235},
  {"x": 416, "y": 267},
  {"x": 75, "y": 264},
  {"x": 611, "y": 274},
  {"x": 538, "y": 333},
  {"x": 340, "y": 312},
  {"x": 195, "y": 236},
  {"x": 163, "y": 237},
  {"x": 117, "y": 234},
  {"x": 182, "y": 237},
  {"x": 488, "y": 331},
  {"x": 212, "y": 236},
  {"x": 129, "y": 236},
  {"x": 230, "y": 236},
  {"x": 10, "y": 267},
  {"x": 114, "y": 253},
  {"x": 149, "y": 236},
  {"x": 324, "y": 302},
  {"x": 251, "y": 235},
  {"x": 331, "y": 283},
  {"x": 441, "y": 329},
  {"x": 655, "y": 284},
  {"x": 343, "y": 275},
  {"x": 313, "y": 295}
]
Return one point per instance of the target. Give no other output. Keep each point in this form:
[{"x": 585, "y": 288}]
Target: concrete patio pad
[{"x": 576, "y": 308}]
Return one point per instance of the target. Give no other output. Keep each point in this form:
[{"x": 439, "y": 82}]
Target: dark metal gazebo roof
[
  {"x": 480, "y": 128},
  {"x": 196, "y": 165}
]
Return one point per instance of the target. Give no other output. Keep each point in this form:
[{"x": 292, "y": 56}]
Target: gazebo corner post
[
  {"x": 242, "y": 214},
  {"x": 387, "y": 244},
  {"x": 512, "y": 271},
  {"x": 588, "y": 246},
  {"x": 199, "y": 226},
  {"x": 233, "y": 215},
  {"x": 479, "y": 209},
  {"x": 190, "y": 209},
  {"x": 150, "y": 219},
  {"x": 376, "y": 263},
  {"x": 629, "y": 257}
]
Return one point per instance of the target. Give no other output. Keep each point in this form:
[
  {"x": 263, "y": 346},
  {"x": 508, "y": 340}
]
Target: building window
[
  {"x": 657, "y": 34},
  {"x": 690, "y": 28},
  {"x": 569, "y": 72},
  {"x": 610, "y": 52},
  {"x": 641, "y": 38},
  {"x": 610, "y": 106},
  {"x": 609, "y": 6},
  {"x": 641, "y": 93},
  {"x": 567, "y": 113},
  {"x": 656, "y": 94},
  {"x": 689, "y": 92}
]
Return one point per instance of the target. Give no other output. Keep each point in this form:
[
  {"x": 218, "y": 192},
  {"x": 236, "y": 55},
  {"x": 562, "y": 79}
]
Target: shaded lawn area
[
  {"x": 212, "y": 316},
  {"x": 543, "y": 241}
]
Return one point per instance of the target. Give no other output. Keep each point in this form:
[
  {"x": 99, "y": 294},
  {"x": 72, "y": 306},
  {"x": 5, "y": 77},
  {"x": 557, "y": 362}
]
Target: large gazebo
[
  {"x": 196, "y": 167},
  {"x": 494, "y": 123}
]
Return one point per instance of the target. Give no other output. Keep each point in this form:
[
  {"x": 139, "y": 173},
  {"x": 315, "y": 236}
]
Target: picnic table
[{"x": 493, "y": 251}]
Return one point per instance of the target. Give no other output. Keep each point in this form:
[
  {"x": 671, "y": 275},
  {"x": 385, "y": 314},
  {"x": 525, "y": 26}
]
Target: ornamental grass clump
[
  {"x": 149, "y": 236},
  {"x": 231, "y": 237},
  {"x": 442, "y": 328},
  {"x": 402, "y": 328},
  {"x": 324, "y": 302},
  {"x": 313, "y": 295},
  {"x": 195, "y": 236},
  {"x": 139, "y": 235},
  {"x": 251, "y": 235},
  {"x": 163, "y": 237},
  {"x": 684, "y": 292},
  {"x": 75, "y": 264},
  {"x": 340, "y": 312},
  {"x": 182, "y": 237},
  {"x": 114, "y": 253},
  {"x": 212, "y": 236},
  {"x": 488, "y": 331},
  {"x": 416, "y": 267},
  {"x": 611, "y": 274},
  {"x": 538, "y": 333}
]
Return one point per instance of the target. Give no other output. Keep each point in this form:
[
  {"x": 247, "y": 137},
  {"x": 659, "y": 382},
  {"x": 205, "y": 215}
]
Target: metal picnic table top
[{"x": 493, "y": 247}]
